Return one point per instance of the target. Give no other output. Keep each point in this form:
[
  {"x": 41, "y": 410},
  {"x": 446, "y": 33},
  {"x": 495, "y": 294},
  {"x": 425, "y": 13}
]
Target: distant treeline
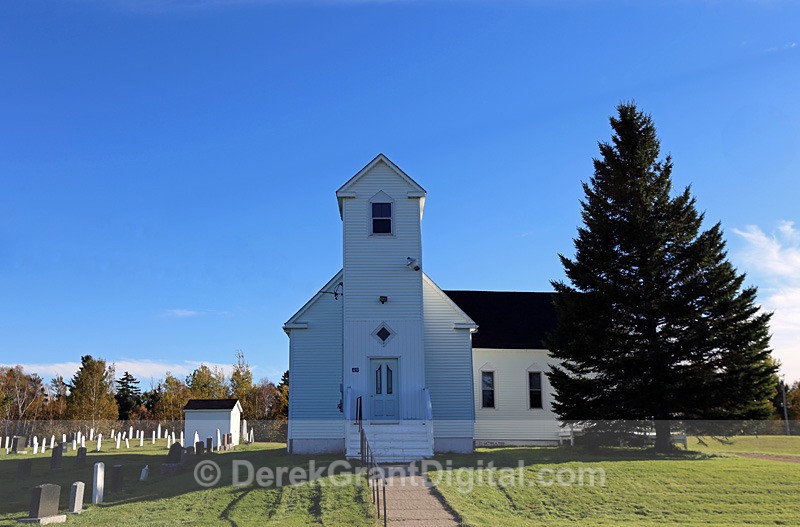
[{"x": 94, "y": 399}]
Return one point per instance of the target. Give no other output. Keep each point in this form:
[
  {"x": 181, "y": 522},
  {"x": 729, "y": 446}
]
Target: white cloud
[
  {"x": 773, "y": 263},
  {"x": 189, "y": 313}
]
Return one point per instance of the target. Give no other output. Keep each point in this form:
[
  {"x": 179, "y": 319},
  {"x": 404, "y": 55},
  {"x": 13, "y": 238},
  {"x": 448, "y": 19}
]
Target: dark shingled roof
[
  {"x": 211, "y": 404},
  {"x": 508, "y": 320}
]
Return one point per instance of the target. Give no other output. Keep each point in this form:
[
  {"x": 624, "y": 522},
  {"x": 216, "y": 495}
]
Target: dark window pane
[
  {"x": 378, "y": 381},
  {"x": 381, "y": 210},
  {"x": 488, "y": 398},
  {"x": 536, "y": 399},
  {"x": 383, "y": 334},
  {"x": 388, "y": 380},
  {"x": 535, "y": 380},
  {"x": 382, "y": 226},
  {"x": 487, "y": 380}
]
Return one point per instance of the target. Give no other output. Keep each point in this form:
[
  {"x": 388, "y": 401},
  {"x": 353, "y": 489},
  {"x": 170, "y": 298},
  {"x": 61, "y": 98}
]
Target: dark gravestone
[
  {"x": 44, "y": 501},
  {"x": 56, "y": 459},
  {"x": 187, "y": 455},
  {"x": 209, "y": 444},
  {"x": 174, "y": 455},
  {"x": 63, "y": 446},
  {"x": 81, "y": 459},
  {"x": 198, "y": 448},
  {"x": 18, "y": 444},
  {"x": 24, "y": 468},
  {"x": 116, "y": 478}
]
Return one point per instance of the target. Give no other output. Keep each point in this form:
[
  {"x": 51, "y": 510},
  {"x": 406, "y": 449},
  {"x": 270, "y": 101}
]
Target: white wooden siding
[
  {"x": 448, "y": 365},
  {"x": 406, "y": 344},
  {"x": 315, "y": 366},
  {"x": 375, "y": 265},
  {"x": 512, "y": 419}
]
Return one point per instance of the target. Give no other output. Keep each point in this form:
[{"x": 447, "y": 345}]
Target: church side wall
[{"x": 315, "y": 375}]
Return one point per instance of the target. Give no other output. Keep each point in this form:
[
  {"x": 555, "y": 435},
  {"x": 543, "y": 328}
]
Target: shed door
[{"x": 385, "y": 382}]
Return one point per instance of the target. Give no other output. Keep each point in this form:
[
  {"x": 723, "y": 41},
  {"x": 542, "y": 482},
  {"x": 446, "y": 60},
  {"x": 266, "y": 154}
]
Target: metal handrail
[
  {"x": 428, "y": 405},
  {"x": 375, "y": 477},
  {"x": 359, "y": 410}
]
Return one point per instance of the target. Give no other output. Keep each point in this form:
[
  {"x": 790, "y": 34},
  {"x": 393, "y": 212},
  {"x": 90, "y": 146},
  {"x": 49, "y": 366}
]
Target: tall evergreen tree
[
  {"x": 655, "y": 325},
  {"x": 128, "y": 396}
]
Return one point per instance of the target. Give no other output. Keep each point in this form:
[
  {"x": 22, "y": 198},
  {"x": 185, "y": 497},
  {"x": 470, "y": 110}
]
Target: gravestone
[
  {"x": 244, "y": 430},
  {"x": 153, "y": 442},
  {"x": 198, "y": 448},
  {"x": 159, "y": 430},
  {"x": 63, "y": 446},
  {"x": 76, "y": 498},
  {"x": 91, "y": 434},
  {"x": 174, "y": 455},
  {"x": 44, "y": 505},
  {"x": 18, "y": 444},
  {"x": 141, "y": 439},
  {"x": 127, "y": 443},
  {"x": 99, "y": 441},
  {"x": 56, "y": 459},
  {"x": 252, "y": 436},
  {"x": 52, "y": 441},
  {"x": 209, "y": 444},
  {"x": 98, "y": 483},
  {"x": 80, "y": 460},
  {"x": 219, "y": 441},
  {"x": 187, "y": 455},
  {"x": 119, "y": 438},
  {"x": 24, "y": 468},
  {"x": 145, "y": 473},
  {"x": 116, "y": 478}
]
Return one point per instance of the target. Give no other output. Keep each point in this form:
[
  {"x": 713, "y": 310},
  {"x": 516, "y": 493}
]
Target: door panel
[{"x": 384, "y": 397}]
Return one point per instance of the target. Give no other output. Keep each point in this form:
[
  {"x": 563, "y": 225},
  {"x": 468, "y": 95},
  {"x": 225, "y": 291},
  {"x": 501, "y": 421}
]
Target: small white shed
[{"x": 205, "y": 416}]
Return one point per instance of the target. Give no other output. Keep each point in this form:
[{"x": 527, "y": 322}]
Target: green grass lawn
[
  {"x": 641, "y": 489},
  {"x": 179, "y": 500},
  {"x": 777, "y": 445}
]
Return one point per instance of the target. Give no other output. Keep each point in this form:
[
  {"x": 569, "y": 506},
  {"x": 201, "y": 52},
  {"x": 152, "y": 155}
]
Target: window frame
[
  {"x": 372, "y": 218},
  {"x": 494, "y": 388},
  {"x": 541, "y": 388}
]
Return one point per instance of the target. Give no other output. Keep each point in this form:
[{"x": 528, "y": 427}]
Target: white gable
[{"x": 349, "y": 190}]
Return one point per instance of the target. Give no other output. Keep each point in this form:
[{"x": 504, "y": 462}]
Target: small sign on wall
[{"x": 354, "y": 370}]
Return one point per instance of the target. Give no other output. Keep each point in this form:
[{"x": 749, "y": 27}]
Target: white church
[{"x": 422, "y": 370}]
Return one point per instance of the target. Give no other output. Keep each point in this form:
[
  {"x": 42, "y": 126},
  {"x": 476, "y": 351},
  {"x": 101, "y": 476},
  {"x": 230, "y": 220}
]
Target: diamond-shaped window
[{"x": 383, "y": 334}]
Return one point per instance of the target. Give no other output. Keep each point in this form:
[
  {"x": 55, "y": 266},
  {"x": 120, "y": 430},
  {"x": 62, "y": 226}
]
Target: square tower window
[{"x": 381, "y": 218}]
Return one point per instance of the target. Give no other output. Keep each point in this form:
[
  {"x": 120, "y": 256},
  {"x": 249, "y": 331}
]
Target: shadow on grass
[
  {"x": 511, "y": 456},
  {"x": 17, "y": 492}
]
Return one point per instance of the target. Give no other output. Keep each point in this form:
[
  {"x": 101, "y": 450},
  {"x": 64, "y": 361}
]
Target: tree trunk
[{"x": 663, "y": 440}]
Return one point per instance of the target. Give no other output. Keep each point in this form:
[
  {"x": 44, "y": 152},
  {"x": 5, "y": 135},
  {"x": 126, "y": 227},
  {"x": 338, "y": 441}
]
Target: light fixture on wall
[
  {"x": 411, "y": 263},
  {"x": 383, "y": 299}
]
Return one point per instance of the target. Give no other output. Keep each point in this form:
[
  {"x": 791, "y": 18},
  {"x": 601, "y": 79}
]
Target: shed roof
[
  {"x": 211, "y": 404},
  {"x": 508, "y": 319}
]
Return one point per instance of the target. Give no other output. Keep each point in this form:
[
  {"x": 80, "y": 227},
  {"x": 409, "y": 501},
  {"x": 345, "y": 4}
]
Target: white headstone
[
  {"x": 145, "y": 473},
  {"x": 76, "y": 498},
  {"x": 7, "y": 443},
  {"x": 168, "y": 443},
  {"x": 219, "y": 440},
  {"x": 99, "y": 441},
  {"x": 112, "y": 433},
  {"x": 119, "y": 438},
  {"x": 52, "y": 441},
  {"x": 74, "y": 445},
  {"x": 98, "y": 483},
  {"x": 63, "y": 438},
  {"x": 44, "y": 445},
  {"x": 182, "y": 442},
  {"x": 141, "y": 439},
  {"x": 127, "y": 443},
  {"x": 244, "y": 429},
  {"x": 154, "y": 438},
  {"x": 35, "y": 447},
  {"x": 173, "y": 437},
  {"x": 159, "y": 431},
  {"x": 252, "y": 436},
  {"x": 196, "y": 438},
  {"x": 83, "y": 441},
  {"x": 91, "y": 434}
]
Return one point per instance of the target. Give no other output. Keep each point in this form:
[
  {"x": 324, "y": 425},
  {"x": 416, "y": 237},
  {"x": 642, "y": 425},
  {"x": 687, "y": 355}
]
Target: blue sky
[{"x": 167, "y": 169}]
